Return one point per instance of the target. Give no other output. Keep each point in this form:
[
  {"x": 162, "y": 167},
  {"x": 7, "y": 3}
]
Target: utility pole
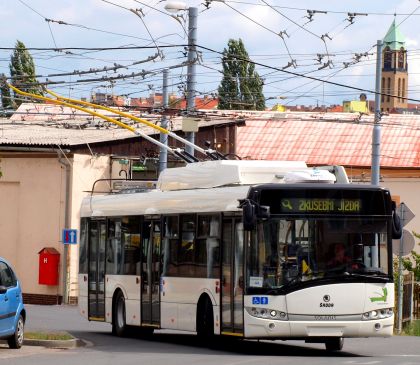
[
  {"x": 376, "y": 137},
  {"x": 163, "y": 153},
  {"x": 400, "y": 283},
  {"x": 191, "y": 69},
  {"x": 376, "y": 134}
]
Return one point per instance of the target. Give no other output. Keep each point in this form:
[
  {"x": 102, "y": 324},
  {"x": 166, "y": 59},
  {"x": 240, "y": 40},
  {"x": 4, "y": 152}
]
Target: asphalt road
[{"x": 169, "y": 348}]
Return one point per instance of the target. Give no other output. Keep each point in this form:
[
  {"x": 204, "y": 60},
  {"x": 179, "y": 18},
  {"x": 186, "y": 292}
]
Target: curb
[{"x": 55, "y": 344}]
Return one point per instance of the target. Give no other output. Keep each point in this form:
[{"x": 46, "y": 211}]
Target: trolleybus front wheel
[
  {"x": 334, "y": 343},
  {"x": 119, "y": 325}
]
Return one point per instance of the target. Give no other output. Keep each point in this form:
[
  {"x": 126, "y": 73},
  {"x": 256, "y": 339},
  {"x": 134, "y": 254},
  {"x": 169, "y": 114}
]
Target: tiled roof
[
  {"x": 316, "y": 138},
  {"x": 332, "y": 138}
]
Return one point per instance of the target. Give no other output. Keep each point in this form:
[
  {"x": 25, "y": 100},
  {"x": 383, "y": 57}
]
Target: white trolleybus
[{"x": 242, "y": 248}]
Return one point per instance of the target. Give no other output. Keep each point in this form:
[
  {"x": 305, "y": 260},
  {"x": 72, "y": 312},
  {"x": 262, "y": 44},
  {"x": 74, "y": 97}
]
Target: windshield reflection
[{"x": 285, "y": 252}]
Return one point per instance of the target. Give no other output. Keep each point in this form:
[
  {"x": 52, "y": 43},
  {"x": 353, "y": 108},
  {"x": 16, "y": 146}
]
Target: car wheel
[
  {"x": 119, "y": 325},
  {"x": 16, "y": 341}
]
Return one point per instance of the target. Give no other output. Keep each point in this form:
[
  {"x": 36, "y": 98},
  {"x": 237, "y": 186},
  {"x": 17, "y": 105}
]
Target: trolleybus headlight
[
  {"x": 377, "y": 314},
  {"x": 273, "y": 313},
  {"x": 267, "y": 313}
]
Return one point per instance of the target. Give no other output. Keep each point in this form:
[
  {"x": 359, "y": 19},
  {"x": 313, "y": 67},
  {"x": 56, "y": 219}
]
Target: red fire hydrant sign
[
  {"x": 49, "y": 261},
  {"x": 69, "y": 236}
]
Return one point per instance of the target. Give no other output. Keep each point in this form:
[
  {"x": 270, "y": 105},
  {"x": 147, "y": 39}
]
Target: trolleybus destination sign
[{"x": 316, "y": 205}]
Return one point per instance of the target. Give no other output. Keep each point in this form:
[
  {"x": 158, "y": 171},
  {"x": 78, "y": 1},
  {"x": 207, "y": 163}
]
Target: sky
[{"x": 329, "y": 40}]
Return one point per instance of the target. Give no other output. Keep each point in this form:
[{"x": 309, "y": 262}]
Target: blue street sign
[{"x": 70, "y": 236}]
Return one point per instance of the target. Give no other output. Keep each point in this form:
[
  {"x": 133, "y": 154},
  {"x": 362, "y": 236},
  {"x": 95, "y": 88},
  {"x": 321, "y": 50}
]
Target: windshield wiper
[
  {"x": 369, "y": 275},
  {"x": 293, "y": 281}
]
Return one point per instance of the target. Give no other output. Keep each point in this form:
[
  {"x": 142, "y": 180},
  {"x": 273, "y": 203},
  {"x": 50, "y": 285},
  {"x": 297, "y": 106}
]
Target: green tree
[
  {"x": 22, "y": 72},
  {"x": 414, "y": 258},
  {"x": 241, "y": 87},
  {"x": 6, "y": 99}
]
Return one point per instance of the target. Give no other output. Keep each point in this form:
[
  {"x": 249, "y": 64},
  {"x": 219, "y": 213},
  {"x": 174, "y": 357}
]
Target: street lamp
[{"x": 175, "y": 7}]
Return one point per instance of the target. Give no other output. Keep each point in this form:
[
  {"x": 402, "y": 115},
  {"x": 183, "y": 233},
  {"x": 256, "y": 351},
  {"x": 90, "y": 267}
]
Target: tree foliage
[
  {"x": 241, "y": 87},
  {"x": 6, "y": 100},
  {"x": 22, "y": 72},
  {"x": 412, "y": 263}
]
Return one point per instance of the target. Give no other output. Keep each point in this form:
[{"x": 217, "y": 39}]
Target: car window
[{"x": 7, "y": 278}]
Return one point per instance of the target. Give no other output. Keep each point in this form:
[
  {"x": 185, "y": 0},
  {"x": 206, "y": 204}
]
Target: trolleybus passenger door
[
  {"x": 232, "y": 280},
  {"x": 96, "y": 274},
  {"x": 150, "y": 274}
]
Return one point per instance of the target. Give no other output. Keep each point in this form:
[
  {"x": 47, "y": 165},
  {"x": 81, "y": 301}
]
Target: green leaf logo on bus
[{"x": 381, "y": 298}]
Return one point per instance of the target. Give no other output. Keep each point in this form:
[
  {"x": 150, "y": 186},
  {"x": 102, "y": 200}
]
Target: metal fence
[
  {"x": 416, "y": 301},
  {"x": 408, "y": 289}
]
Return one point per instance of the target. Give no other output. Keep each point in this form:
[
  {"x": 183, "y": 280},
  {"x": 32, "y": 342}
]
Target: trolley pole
[
  {"x": 163, "y": 153},
  {"x": 376, "y": 134},
  {"x": 191, "y": 69}
]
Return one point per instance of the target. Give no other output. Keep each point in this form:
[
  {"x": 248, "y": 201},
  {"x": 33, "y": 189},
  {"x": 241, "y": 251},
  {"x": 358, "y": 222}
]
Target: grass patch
[
  {"x": 59, "y": 336},
  {"x": 413, "y": 329}
]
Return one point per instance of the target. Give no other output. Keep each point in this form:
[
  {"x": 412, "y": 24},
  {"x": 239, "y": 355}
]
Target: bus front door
[
  {"x": 96, "y": 274},
  {"x": 150, "y": 274},
  {"x": 232, "y": 280}
]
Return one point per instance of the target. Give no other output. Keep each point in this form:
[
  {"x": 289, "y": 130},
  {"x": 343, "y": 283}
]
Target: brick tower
[{"x": 394, "y": 70}]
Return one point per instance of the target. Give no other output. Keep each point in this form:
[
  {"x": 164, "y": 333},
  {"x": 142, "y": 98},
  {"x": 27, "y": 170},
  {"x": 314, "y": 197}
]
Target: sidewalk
[{"x": 59, "y": 318}]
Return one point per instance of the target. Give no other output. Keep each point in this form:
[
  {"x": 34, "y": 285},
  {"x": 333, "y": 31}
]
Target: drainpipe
[{"x": 64, "y": 162}]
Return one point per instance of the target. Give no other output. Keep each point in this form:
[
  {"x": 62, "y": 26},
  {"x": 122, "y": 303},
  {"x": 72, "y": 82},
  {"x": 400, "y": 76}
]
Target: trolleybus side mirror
[
  {"x": 263, "y": 211},
  {"x": 248, "y": 215},
  {"x": 396, "y": 223}
]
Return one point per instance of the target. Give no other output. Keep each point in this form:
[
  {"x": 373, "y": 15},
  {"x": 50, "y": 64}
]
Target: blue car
[{"x": 12, "y": 310}]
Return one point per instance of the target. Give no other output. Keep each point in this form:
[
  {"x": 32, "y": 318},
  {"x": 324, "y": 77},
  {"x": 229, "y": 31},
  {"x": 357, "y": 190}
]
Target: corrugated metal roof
[
  {"x": 316, "y": 138},
  {"x": 47, "y": 124},
  {"x": 342, "y": 139}
]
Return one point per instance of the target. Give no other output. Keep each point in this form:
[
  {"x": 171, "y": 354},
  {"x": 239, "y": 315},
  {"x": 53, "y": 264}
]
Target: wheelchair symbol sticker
[{"x": 259, "y": 300}]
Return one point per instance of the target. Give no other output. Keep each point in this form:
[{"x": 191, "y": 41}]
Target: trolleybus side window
[
  {"x": 186, "y": 250},
  {"x": 194, "y": 252},
  {"x": 123, "y": 251},
  {"x": 208, "y": 246},
  {"x": 83, "y": 246},
  {"x": 170, "y": 242}
]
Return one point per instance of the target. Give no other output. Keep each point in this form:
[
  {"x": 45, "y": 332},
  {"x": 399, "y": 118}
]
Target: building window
[
  {"x": 387, "y": 58},
  {"x": 388, "y": 98},
  {"x": 399, "y": 89},
  {"x": 383, "y": 90},
  {"x": 403, "y": 89},
  {"x": 401, "y": 57}
]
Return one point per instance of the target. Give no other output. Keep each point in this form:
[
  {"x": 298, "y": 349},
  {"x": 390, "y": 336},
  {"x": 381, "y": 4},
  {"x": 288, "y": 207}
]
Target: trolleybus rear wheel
[
  {"x": 119, "y": 325},
  {"x": 205, "y": 321}
]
